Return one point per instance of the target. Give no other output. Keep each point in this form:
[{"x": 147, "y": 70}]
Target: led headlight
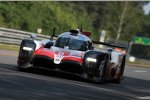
[
  {"x": 91, "y": 59},
  {"x": 27, "y": 48}
]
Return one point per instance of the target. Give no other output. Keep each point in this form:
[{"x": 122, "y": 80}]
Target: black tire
[{"x": 21, "y": 69}]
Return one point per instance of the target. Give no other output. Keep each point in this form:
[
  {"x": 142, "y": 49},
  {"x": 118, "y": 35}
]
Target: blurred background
[{"x": 123, "y": 22}]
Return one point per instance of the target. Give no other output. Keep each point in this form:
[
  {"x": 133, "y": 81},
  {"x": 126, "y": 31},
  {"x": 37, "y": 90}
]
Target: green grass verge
[
  {"x": 139, "y": 62},
  {"x": 9, "y": 47}
]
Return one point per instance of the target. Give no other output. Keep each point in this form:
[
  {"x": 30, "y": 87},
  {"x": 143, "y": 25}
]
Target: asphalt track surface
[{"x": 49, "y": 85}]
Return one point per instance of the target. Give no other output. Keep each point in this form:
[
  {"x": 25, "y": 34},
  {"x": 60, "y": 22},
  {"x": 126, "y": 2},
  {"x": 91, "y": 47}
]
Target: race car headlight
[
  {"x": 27, "y": 48},
  {"x": 91, "y": 59}
]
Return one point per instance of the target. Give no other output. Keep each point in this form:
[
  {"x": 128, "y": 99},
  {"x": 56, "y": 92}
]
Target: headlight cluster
[
  {"x": 27, "y": 48},
  {"x": 91, "y": 59}
]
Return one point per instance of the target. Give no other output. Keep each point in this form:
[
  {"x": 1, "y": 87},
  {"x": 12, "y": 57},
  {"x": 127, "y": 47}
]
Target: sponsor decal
[{"x": 58, "y": 57}]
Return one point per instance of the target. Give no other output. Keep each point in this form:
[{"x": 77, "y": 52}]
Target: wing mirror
[{"x": 33, "y": 36}]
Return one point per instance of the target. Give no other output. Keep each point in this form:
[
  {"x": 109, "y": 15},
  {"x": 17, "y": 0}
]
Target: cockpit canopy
[{"x": 76, "y": 41}]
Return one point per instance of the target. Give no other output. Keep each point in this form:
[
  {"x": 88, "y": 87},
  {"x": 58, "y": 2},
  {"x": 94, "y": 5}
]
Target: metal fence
[{"x": 11, "y": 36}]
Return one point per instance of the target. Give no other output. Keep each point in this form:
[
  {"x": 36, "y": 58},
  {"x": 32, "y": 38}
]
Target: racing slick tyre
[
  {"x": 118, "y": 81},
  {"x": 27, "y": 48}
]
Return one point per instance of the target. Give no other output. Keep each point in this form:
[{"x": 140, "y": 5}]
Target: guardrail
[{"x": 11, "y": 36}]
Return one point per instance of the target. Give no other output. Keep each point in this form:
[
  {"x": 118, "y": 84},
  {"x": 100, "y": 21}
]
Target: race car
[{"x": 73, "y": 52}]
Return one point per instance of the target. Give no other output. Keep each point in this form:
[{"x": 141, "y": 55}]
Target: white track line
[
  {"x": 144, "y": 98},
  {"x": 140, "y": 71}
]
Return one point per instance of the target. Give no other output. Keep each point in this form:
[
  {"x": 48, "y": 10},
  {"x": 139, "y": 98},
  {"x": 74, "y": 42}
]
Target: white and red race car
[{"x": 73, "y": 52}]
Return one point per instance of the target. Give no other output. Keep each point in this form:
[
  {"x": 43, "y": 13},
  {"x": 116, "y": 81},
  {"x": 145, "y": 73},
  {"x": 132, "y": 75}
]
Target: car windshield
[{"x": 73, "y": 44}]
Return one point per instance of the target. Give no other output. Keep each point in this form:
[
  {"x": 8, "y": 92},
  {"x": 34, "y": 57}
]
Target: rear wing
[{"x": 111, "y": 45}]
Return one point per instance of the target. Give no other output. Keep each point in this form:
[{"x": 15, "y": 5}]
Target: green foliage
[
  {"x": 145, "y": 32},
  {"x": 131, "y": 21},
  {"x": 92, "y": 16}
]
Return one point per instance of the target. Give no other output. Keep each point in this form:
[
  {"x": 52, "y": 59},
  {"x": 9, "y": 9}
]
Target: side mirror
[
  {"x": 33, "y": 36},
  {"x": 49, "y": 44}
]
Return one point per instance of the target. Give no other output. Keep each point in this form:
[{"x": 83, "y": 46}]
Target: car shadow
[
  {"x": 127, "y": 90},
  {"x": 59, "y": 74},
  {"x": 52, "y": 73}
]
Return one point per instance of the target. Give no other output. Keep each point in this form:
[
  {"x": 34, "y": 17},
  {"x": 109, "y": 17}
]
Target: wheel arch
[
  {"x": 27, "y": 48},
  {"x": 92, "y": 68}
]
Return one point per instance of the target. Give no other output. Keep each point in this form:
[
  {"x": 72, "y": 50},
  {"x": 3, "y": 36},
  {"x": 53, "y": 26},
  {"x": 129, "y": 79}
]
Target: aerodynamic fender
[
  {"x": 26, "y": 51},
  {"x": 92, "y": 61}
]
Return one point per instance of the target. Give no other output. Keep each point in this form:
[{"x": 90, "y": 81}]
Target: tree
[{"x": 121, "y": 20}]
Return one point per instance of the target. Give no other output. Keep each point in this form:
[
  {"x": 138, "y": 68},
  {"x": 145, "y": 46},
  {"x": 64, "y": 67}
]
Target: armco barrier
[{"x": 11, "y": 36}]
